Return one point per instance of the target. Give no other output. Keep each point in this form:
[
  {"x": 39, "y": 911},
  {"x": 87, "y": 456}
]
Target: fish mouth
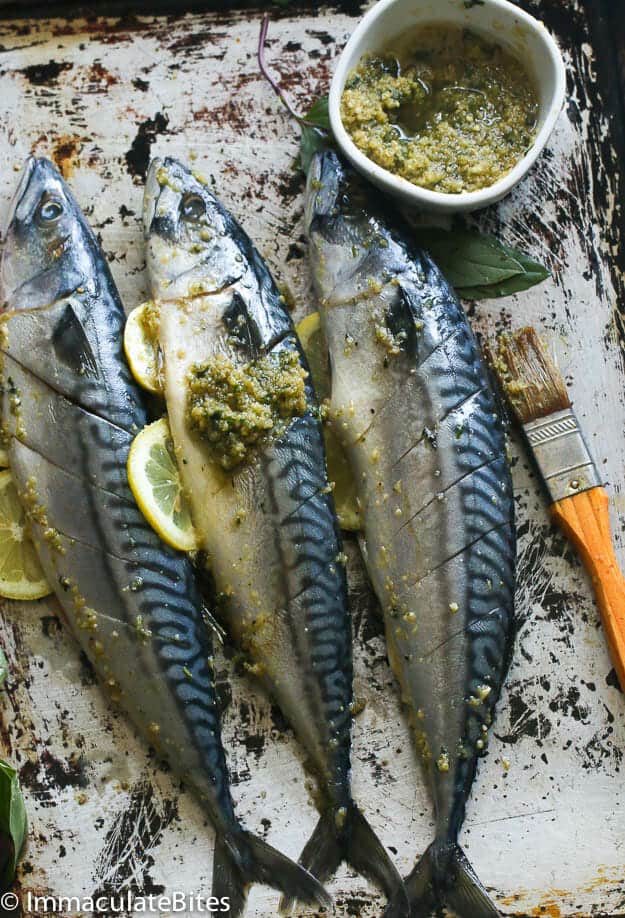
[
  {"x": 151, "y": 195},
  {"x": 322, "y": 187},
  {"x": 27, "y": 173},
  {"x": 6, "y": 287},
  {"x": 166, "y": 182}
]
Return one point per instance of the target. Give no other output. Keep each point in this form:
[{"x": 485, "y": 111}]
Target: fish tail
[
  {"x": 243, "y": 859},
  {"x": 444, "y": 877},
  {"x": 351, "y": 839}
]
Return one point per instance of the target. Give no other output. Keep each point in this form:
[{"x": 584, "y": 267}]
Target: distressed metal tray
[{"x": 545, "y": 826}]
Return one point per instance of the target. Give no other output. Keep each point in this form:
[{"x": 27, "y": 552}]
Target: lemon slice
[
  {"x": 155, "y": 482},
  {"x": 345, "y": 500},
  {"x": 313, "y": 341},
  {"x": 21, "y": 576},
  {"x": 339, "y": 471},
  {"x": 141, "y": 347}
]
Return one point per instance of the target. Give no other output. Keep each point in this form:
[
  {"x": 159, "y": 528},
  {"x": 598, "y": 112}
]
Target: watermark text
[{"x": 122, "y": 904}]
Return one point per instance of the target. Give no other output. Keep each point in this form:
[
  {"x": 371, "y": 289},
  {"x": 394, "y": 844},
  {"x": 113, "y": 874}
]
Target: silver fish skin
[
  {"x": 268, "y": 528},
  {"x": 412, "y": 403},
  {"x": 70, "y": 411}
]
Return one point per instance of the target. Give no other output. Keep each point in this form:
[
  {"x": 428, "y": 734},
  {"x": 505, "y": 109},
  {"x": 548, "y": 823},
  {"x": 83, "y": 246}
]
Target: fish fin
[
  {"x": 71, "y": 344},
  {"x": 420, "y": 891},
  {"x": 358, "y": 845},
  {"x": 322, "y": 855},
  {"x": 466, "y": 896},
  {"x": 229, "y": 876},
  {"x": 444, "y": 877},
  {"x": 368, "y": 856},
  {"x": 243, "y": 859}
]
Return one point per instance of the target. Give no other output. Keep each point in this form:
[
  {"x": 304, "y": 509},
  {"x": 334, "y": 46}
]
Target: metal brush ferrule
[{"x": 562, "y": 454}]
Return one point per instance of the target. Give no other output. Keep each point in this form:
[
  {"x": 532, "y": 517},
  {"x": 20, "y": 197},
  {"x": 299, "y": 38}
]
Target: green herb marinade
[
  {"x": 238, "y": 408},
  {"x": 445, "y": 109}
]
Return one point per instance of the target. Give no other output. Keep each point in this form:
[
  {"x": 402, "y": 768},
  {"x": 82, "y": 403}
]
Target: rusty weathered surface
[{"x": 546, "y": 821}]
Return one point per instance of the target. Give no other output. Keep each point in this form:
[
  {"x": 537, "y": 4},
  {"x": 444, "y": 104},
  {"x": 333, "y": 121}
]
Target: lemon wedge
[
  {"x": 155, "y": 482},
  {"x": 21, "y": 576},
  {"x": 313, "y": 341},
  {"x": 141, "y": 347}
]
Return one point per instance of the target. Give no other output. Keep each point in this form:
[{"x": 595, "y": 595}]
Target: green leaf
[
  {"x": 478, "y": 266},
  {"x": 4, "y": 667},
  {"x": 469, "y": 259},
  {"x": 505, "y": 288},
  {"x": 313, "y": 140},
  {"x": 318, "y": 113},
  {"x": 533, "y": 271},
  {"x": 13, "y": 823},
  {"x": 315, "y": 132}
]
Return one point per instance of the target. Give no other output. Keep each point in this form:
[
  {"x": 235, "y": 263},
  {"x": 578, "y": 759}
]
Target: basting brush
[{"x": 537, "y": 394}]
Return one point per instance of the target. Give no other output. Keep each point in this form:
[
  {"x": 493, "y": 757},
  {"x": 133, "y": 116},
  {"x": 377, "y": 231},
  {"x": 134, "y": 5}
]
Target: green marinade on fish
[
  {"x": 412, "y": 405},
  {"x": 70, "y": 411},
  {"x": 246, "y": 428}
]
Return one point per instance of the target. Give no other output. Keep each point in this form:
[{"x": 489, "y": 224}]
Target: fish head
[
  {"x": 48, "y": 249},
  {"x": 191, "y": 239},
  {"x": 349, "y": 244}
]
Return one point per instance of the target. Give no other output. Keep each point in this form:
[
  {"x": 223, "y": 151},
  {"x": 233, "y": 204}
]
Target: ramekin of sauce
[{"x": 446, "y": 103}]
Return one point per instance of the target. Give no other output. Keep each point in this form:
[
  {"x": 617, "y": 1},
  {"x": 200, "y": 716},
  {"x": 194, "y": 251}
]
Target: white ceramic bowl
[{"x": 500, "y": 21}]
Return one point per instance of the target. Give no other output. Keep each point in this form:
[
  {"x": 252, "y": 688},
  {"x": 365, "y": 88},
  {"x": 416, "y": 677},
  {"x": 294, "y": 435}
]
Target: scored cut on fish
[
  {"x": 267, "y": 526},
  {"x": 412, "y": 404},
  {"x": 70, "y": 410}
]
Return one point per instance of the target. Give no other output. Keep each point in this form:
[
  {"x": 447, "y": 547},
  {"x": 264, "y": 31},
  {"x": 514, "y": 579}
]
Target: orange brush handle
[{"x": 584, "y": 518}]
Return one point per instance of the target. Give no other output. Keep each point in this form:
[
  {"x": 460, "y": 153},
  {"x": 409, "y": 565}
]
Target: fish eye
[
  {"x": 49, "y": 211},
  {"x": 192, "y": 207}
]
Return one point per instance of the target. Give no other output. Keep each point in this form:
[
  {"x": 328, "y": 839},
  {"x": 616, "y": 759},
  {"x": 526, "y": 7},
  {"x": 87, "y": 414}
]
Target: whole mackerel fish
[
  {"x": 267, "y": 526},
  {"x": 70, "y": 411},
  {"x": 412, "y": 404}
]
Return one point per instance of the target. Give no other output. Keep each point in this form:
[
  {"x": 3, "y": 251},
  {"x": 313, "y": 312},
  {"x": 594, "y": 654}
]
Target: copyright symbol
[{"x": 9, "y": 902}]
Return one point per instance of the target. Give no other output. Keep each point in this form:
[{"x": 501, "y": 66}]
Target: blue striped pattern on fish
[
  {"x": 412, "y": 403},
  {"x": 131, "y": 601},
  {"x": 70, "y": 409},
  {"x": 268, "y": 527}
]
